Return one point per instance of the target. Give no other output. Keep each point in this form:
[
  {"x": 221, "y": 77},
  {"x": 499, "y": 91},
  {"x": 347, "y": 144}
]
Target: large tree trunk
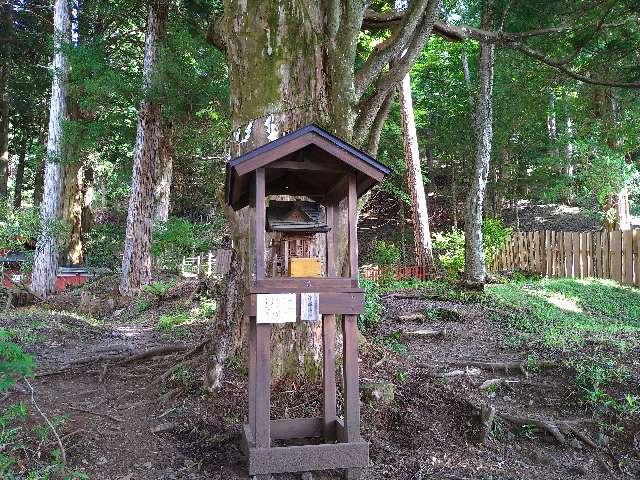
[
  {"x": 291, "y": 62},
  {"x": 6, "y": 29},
  {"x": 72, "y": 174},
  {"x": 164, "y": 173},
  {"x": 136, "y": 259},
  {"x": 45, "y": 265},
  {"x": 415, "y": 182},
  {"x": 552, "y": 126},
  {"x": 475, "y": 268}
]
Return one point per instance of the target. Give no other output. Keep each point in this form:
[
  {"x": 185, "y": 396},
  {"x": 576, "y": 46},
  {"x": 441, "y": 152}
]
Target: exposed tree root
[
  {"x": 98, "y": 414},
  {"x": 506, "y": 367},
  {"x": 126, "y": 358},
  {"x": 63, "y": 454},
  {"x": 429, "y": 333}
]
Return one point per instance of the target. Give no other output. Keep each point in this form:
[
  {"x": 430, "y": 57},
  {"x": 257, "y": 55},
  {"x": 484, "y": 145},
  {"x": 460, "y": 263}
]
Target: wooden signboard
[
  {"x": 276, "y": 308},
  {"x": 309, "y": 307}
]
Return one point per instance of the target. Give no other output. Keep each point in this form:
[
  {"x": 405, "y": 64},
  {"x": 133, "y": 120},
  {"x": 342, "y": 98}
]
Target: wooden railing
[
  {"x": 398, "y": 272},
  {"x": 605, "y": 254}
]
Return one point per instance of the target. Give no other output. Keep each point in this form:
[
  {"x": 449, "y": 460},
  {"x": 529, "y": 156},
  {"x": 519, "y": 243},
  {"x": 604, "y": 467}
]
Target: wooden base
[{"x": 352, "y": 455}]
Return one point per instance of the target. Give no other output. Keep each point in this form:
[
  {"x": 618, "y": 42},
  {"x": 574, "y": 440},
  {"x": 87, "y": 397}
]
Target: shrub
[
  {"x": 103, "y": 245},
  {"x": 450, "y": 245},
  {"x": 386, "y": 254},
  {"x": 169, "y": 321},
  {"x": 159, "y": 288},
  {"x": 14, "y": 362},
  {"x": 372, "y": 306},
  {"x": 178, "y": 237}
]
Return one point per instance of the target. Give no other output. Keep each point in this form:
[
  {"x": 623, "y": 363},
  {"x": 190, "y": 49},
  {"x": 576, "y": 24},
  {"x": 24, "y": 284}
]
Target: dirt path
[{"x": 120, "y": 427}]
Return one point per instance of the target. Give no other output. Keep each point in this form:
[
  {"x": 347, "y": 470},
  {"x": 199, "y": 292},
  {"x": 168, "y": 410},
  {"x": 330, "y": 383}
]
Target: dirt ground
[{"x": 121, "y": 426}]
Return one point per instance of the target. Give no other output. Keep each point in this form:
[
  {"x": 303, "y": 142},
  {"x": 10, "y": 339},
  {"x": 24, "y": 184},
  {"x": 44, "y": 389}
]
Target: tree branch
[
  {"x": 392, "y": 46},
  {"x": 378, "y": 123},
  {"x": 510, "y": 40}
]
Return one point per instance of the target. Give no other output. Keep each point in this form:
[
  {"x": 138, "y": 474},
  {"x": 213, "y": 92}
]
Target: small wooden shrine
[{"x": 301, "y": 282}]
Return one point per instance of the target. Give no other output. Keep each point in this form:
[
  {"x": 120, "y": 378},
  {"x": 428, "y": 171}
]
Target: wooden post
[
  {"x": 568, "y": 257},
  {"x": 575, "y": 248},
  {"x": 259, "y": 223},
  {"x": 627, "y": 256},
  {"x": 615, "y": 245},
  {"x": 331, "y": 254},
  {"x": 353, "y": 227},
  {"x": 636, "y": 257},
  {"x": 350, "y": 374},
  {"x": 589, "y": 252}
]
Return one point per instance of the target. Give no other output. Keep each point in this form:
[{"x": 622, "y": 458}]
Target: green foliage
[
  {"x": 451, "y": 245},
  {"x": 17, "y": 227},
  {"x": 178, "y": 237},
  {"x": 14, "y": 362},
  {"x": 172, "y": 320},
  {"x": 450, "y": 248},
  {"x": 564, "y": 313},
  {"x": 386, "y": 254},
  {"x": 393, "y": 341},
  {"x": 372, "y": 306},
  {"x": 103, "y": 245},
  {"x": 142, "y": 304},
  {"x": 159, "y": 288},
  {"x": 207, "y": 308}
]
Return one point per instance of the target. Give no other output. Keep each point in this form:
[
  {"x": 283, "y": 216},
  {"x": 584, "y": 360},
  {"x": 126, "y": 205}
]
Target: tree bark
[
  {"x": 415, "y": 182},
  {"x": 45, "y": 264},
  {"x": 552, "y": 126},
  {"x": 72, "y": 174},
  {"x": 5, "y": 56},
  {"x": 475, "y": 268},
  {"x": 164, "y": 175},
  {"x": 19, "y": 181},
  {"x": 136, "y": 259}
]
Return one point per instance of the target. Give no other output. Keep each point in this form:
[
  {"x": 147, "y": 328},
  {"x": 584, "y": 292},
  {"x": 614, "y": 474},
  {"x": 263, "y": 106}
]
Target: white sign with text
[{"x": 276, "y": 308}]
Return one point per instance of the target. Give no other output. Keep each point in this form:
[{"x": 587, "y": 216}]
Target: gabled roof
[{"x": 309, "y": 161}]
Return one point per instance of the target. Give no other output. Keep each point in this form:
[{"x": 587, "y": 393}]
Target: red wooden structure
[
  {"x": 418, "y": 272},
  {"x": 312, "y": 163}
]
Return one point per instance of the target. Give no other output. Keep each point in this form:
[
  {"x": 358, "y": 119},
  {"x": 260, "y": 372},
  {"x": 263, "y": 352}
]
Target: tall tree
[
  {"x": 6, "y": 34},
  {"x": 136, "y": 259},
  {"x": 45, "y": 264},
  {"x": 415, "y": 182},
  {"x": 291, "y": 62},
  {"x": 475, "y": 268}
]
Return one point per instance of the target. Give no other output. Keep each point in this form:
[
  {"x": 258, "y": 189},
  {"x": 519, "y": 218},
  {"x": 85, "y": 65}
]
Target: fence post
[
  {"x": 627, "y": 256},
  {"x": 209, "y": 263}
]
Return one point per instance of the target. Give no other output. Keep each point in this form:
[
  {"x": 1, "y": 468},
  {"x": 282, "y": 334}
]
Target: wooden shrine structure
[{"x": 309, "y": 163}]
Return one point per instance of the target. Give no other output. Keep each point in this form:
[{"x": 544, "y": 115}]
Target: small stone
[
  {"x": 378, "y": 392},
  {"x": 602, "y": 440},
  {"x": 575, "y": 443},
  {"x": 506, "y": 398},
  {"x": 102, "y": 460},
  {"x": 579, "y": 469},
  {"x": 118, "y": 312}
]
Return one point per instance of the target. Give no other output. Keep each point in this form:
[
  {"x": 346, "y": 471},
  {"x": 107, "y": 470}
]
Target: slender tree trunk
[
  {"x": 45, "y": 264},
  {"x": 136, "y": 259},
  {"x": 87, "y": 215},
  {"x": 415, "y": 182},
  {"x": 17, "y": 188},
  {"x": 6, "y": 30},
  {"x": 552, "y": 126},
  {"x": 164, "y": 175},
  {"x": 475, "y": 268}
]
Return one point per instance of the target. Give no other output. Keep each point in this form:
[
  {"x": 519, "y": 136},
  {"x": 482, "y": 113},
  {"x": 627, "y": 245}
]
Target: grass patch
[
  {"x": 172, "y": 320},
  {"x": 592, "y": 323},
  {"x": 564, "y": 313}
]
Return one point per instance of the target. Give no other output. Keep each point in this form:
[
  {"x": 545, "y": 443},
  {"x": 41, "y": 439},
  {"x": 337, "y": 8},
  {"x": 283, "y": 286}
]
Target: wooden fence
[
  {"x": 398, "y": 272},
  {"x": 207, "y": 264},
  {"x": 605, "y": 254}
]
